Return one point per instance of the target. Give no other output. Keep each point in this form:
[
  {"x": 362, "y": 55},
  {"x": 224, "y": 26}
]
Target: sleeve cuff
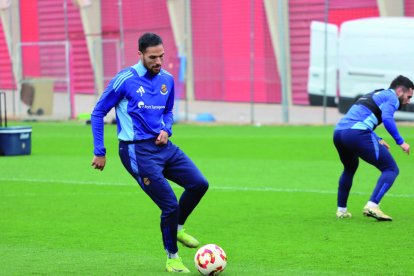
[
  {"x": 168, "y": 131},
  {"x": 99, "y": 153}
]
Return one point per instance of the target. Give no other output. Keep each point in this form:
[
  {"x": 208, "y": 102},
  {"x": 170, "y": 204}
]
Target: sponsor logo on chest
[{"x": 142, "y": 105}]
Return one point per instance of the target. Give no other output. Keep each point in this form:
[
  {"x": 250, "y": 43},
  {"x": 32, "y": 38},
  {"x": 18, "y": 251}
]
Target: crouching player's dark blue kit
[
  {"x": 354, "y": 138},
  {"x": 143, "y": 104}
]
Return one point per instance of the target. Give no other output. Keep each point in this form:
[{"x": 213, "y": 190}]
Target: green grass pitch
[{"x": 271, "y": 206}]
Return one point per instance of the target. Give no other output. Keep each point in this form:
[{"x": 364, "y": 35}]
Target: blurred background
[{"x": 245, "y": 61}]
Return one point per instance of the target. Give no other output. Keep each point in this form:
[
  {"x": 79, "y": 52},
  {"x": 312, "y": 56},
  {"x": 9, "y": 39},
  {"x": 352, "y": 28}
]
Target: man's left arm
[
  {"x": 168, "y": 119},
  {"x": 168, "y": 116}
]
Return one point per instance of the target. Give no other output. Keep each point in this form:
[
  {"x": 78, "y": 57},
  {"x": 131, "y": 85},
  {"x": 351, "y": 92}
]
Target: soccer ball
[{"x": 210, "y": 259}]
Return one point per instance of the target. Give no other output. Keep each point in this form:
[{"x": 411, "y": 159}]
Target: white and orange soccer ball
[{"x": 210, "y": 259}]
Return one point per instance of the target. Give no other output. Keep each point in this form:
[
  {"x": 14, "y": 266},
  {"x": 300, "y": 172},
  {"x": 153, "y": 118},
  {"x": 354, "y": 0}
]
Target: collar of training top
[{"x": 140, "y": 69}]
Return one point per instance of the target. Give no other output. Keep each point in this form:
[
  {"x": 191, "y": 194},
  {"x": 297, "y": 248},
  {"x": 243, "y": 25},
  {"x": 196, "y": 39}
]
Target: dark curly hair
[
  {"x": 148, "y": 40},
  {"x": 402, "y": 81}
]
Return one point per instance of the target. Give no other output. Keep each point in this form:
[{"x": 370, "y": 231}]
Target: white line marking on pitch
[{"x": 221, "y": 188}]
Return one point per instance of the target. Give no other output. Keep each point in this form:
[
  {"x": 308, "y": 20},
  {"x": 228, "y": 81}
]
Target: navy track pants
[
  {"x": 151, "y": 166},
  {"x": 353, "y": 144}
]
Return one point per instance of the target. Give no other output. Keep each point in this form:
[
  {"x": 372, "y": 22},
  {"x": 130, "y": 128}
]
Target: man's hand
[
  {"x": 162, "y": 138},
  {"x": 98, "y": 162},
  {"x": 405, "y": 147},
  {"x": 382, "y": 142}
]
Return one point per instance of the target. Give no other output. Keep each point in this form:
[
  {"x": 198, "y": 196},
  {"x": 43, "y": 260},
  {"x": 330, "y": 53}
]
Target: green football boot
[
  {"x": 186, "y": 239},
  {"x": 176, "y": 266}
]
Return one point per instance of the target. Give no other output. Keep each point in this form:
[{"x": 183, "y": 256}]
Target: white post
[
  {"x": 10, "y": 18},
  {"x": 391, "y": 7},
  {"x": 277, "y": 13},
  {"x": 90, "y": 12}
]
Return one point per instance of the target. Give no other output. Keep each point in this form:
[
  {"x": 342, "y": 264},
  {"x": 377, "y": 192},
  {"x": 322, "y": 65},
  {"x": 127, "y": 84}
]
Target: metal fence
[{"x": 251, "y": 54}]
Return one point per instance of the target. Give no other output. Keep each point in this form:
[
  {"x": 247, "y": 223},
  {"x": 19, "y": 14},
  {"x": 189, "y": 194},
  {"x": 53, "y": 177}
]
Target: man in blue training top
[
  {"x": 143, "y": 97},
  {"x": 354, "y": 138}
]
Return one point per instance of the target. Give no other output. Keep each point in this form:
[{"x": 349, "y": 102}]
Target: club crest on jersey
[
  {"x": 163, "y": 90},
  {"x": 146, "y": 181},
  {"x": 141, "y": 90}
]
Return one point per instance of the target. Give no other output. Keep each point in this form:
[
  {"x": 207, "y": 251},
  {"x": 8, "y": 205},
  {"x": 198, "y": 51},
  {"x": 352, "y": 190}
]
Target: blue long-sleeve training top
[
  {"x": 381, "y": 106},
  {"x": 143, "y": 105}
]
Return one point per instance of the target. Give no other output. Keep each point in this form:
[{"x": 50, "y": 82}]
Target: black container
[{"x": 16, "y": 140}]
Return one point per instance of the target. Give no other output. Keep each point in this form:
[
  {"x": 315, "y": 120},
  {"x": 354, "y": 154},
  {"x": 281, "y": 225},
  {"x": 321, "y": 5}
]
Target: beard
[
  {"x": 154, "y": 69},
  {"x": 401, "y": 99}
]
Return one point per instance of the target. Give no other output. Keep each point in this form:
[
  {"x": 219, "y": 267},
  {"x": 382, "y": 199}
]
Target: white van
[
  {"x": 371, "y": 53},
  {"x": 321, "y": 58}
]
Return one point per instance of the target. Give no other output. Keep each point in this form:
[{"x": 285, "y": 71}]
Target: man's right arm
[
  {"x": 98, "y": 162},
  {"x": 391, "y": 127},
  {"x": 388, "y": 111},
  {"x": 97, "y": 123},
  {"x": 110, "y": 97}
]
